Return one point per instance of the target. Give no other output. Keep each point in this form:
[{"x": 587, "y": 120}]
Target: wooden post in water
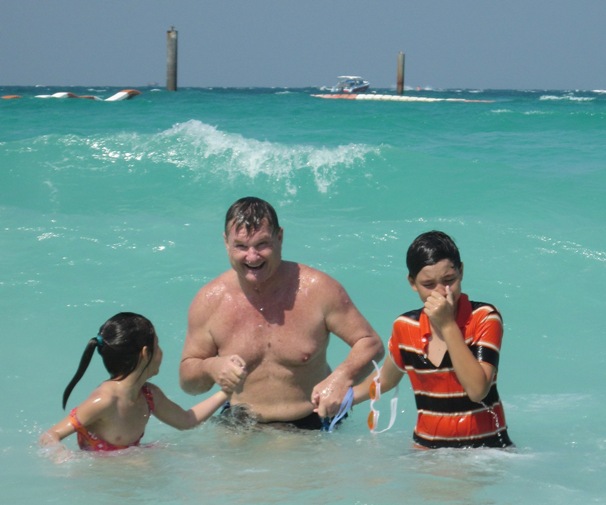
[
  {"x": 171, "y": 59},
  {"x": 400, "y": 84}
]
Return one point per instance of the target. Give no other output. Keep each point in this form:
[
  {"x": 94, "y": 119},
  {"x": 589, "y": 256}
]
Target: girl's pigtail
[{"x": 93, "y": 343}]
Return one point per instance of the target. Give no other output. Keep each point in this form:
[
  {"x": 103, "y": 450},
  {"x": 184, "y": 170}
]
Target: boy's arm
[
  {"x": 390, "y": 377},
  {"x": 476, "y": 377}
]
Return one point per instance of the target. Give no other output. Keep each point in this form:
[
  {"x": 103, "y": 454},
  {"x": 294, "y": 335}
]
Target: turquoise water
[{"x": 111, "y": 206}]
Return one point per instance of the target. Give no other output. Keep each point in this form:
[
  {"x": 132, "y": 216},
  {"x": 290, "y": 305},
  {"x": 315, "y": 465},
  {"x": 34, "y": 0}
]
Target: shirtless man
[{"x": 270, "y": 319}]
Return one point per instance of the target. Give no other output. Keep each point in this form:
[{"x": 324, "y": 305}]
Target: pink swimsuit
[{"x": 90, "y": 442}]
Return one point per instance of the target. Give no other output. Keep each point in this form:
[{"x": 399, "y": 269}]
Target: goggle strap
[
  {"x": 394, "y": 412},
  {"x": 343, "y": 409}
]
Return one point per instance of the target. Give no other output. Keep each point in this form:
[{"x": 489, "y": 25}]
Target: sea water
[{"x": 119, "y": 206}]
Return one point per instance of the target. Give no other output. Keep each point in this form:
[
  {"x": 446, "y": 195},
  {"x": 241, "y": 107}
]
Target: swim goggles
[
  {"x": 375, "y": 395},
  {"x": 328, "y": 424}
]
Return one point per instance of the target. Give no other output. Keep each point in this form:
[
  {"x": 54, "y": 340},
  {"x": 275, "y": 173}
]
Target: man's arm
[
  {"x": 199, "y": 349},
  {"x": 194, "y": 374},
  {"x": 201, "y": 364},
  {"x": 345, "y": 321}
]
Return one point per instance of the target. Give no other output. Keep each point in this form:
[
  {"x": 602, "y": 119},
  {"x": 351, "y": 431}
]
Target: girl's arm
[
  {"x": 57, "y": 433},
  {"x": 172, "y": 414},
  {"x": 390, "y": 377},
  {"x": 89, "y": 411}
]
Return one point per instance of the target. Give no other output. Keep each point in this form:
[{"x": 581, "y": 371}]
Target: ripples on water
[{"x": 120, "y": 206}]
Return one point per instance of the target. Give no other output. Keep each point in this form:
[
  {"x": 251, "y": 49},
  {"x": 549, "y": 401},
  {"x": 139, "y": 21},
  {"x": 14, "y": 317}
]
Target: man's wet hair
[{"x": 249, "y": 213}]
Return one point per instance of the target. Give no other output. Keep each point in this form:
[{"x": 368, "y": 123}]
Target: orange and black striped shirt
[{"x": 447, "y": 417}]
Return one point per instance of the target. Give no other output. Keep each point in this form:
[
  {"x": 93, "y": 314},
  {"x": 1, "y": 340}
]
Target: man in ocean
[{"x": 271, "y": 319}]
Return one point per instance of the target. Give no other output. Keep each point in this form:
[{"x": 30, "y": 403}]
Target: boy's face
[{"x": 435, "y": 278}]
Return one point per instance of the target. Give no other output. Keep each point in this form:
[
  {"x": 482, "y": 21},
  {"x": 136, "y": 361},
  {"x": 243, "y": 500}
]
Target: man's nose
[{"x": 252, "y": 253}]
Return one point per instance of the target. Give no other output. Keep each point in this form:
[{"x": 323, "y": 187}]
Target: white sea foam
[
  {"x": 555, "y": 246},
  {"x": 567, "y": 97},
  {"x": 199, "y": 147}
]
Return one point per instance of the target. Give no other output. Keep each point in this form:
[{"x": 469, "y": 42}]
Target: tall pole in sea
[
  {"x": 400, "y": 79},
  {"x": 171, "y": 59}
]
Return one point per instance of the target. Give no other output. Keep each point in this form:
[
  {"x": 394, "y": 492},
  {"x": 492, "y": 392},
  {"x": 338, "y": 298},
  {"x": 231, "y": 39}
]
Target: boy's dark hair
[
  {"x": 249, "y": 212},
  {"x": 428, "y": 249},
  {"x": 119, "y": 342}
]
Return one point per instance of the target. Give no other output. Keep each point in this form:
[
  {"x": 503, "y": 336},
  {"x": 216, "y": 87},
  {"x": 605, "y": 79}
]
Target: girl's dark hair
[
  {"x": 249, "y": 212},
  {"x": 119, "y": 342},
  {"x": 430, "y": 248}
]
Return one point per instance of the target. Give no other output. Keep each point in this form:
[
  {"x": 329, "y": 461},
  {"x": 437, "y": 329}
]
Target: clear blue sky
[{"x": 521, "y": 44}]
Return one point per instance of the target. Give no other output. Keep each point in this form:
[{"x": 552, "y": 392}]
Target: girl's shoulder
[
  {"x": 105, "y": 393},
  {"x": 99, "y": 403},
  {"x": 153, "y": 392},
  {"x": 150, "y": 388}
]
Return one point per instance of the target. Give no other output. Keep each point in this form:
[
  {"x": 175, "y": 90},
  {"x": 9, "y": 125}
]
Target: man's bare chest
[{"x": 288, "y": 337}]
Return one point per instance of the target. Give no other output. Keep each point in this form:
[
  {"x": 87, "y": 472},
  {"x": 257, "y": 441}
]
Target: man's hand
[
  {"x": 229, "y": 372},
  {"x": 328, "y": 395}
]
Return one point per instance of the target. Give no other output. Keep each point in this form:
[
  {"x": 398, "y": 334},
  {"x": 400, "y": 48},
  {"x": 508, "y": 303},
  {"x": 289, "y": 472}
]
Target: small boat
[{"x": 350, "y": 84}]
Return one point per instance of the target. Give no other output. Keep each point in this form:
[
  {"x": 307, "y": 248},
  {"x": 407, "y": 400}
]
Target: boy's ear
[
  {"x": 411, "y": 281},
  {"x": 145, "y": 353},
  {"x": 462, "y": 265}
]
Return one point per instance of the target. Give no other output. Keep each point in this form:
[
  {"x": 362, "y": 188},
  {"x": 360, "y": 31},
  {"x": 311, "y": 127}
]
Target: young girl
[
  {"x": 114, "y": 416},
  {"x": 450, "y": 351}
]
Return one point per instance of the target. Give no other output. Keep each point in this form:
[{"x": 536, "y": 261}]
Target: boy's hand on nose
[{"x": 449, "y": 296}]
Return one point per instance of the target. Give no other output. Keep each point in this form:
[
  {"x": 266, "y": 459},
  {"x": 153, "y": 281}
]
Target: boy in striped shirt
[{"x": 450, "y": 350}]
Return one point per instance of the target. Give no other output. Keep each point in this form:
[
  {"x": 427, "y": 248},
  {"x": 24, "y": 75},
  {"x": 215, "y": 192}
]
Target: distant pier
[
  {"x": 171, "y": 59},
  {"x": 400, "y": 74}
]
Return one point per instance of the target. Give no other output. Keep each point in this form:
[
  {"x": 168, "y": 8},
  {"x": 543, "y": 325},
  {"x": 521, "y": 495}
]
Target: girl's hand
[
  {"x": 231, "y": 373},
  {"x": 48, "y": 438}
]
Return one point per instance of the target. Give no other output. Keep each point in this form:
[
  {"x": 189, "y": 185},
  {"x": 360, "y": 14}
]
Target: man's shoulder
[
  {"x": 215, "y": 290},
  {"x": 307, "y": 271},
  {"x": 318, "y": 282}
]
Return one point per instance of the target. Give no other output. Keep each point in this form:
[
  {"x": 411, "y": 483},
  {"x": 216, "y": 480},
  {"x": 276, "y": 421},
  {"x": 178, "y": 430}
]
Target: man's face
[{"x": 255, "y": 257}]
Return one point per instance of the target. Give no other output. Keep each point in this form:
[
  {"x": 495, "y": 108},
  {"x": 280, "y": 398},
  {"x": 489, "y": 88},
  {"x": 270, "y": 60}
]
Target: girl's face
[{"x": 436, "y": 278}]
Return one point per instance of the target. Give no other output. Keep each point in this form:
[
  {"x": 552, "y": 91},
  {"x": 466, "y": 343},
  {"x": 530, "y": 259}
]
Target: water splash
[{"x": 200, "y": 147}]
